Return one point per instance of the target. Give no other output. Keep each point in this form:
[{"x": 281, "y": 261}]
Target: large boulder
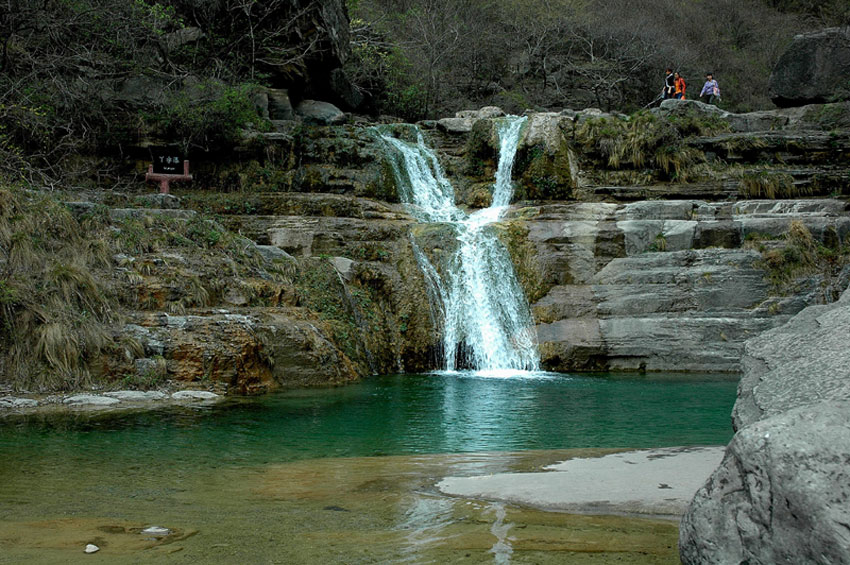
[
  {"x": 780, "y": 496},
  {"x": 813, "y": 345},
  {"x": 814, "y": 69},
  {"x": 320, "y": 113}
]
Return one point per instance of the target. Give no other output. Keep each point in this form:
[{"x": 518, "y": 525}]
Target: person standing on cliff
[
  {"x": 710, "y": 93},
  {"x": 680, "y": 86},
  {"x": 669, "y": 84}
]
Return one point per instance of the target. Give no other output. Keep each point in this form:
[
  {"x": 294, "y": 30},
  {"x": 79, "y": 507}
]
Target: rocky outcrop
[
  {"x": 814, "y": 344},
  {"x": 661, "y": 285},
  {"x": 780, "y": 496},
  {"x": 814, "y": 69}
]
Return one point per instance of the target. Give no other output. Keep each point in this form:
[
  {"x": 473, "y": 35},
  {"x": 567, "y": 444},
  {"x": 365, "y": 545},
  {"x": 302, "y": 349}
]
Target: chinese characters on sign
[{"x": 168, "y": 164}]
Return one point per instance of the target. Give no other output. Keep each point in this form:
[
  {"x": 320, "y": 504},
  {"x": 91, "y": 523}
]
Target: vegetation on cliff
[{"x": 423, "y": 57}]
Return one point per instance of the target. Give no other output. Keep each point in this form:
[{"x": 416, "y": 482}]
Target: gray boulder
[
  {"x": 780, "y": 496},
  {"x": 804, "y": 362},
  {"x": 814, "y": 69},
  {"x": 90, "y": 400},
  {"x": 321, "y": 113}
]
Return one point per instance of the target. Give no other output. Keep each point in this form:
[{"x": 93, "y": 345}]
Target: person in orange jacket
[{"x": 680, "y": 86}]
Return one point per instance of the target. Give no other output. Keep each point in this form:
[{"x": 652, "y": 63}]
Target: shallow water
[{"x": 293, "y": 477}]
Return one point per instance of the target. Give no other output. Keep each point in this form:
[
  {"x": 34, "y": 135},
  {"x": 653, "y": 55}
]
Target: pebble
[{"x": 92, "y": 548}]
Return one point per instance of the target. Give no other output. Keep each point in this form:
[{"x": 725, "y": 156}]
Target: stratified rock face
[
  {"x": 780, "y": 496},
  {"x": 803, "y": 362},
  {"x": 659, "y": 285},
  {"x": 814, "y": 69}
]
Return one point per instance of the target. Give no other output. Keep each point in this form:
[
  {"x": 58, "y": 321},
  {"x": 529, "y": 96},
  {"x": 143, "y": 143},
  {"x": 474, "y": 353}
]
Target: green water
[
  {"x": 293, "y": 477},
  {"x": 394, "y": 415}
]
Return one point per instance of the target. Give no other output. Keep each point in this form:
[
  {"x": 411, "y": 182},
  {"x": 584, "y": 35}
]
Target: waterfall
[{"x": 486, "y": 320}]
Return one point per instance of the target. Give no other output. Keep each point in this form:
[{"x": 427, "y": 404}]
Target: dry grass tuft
[{"x": 771, "y": 185}]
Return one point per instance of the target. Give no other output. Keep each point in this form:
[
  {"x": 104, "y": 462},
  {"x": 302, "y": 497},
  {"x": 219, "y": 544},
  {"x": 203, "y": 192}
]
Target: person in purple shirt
[{"x": 710, "y": 93}]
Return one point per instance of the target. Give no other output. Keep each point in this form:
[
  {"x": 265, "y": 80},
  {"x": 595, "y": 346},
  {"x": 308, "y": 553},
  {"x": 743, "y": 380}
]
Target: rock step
[{"x": 789, "y": 147}]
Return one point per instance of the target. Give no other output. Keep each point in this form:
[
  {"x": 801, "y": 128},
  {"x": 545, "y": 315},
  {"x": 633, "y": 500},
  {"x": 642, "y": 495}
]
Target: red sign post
[{"x": 168, "y": 167}]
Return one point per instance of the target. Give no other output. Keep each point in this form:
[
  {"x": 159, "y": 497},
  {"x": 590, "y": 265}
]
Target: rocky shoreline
[{"x": 119, "y": 399}]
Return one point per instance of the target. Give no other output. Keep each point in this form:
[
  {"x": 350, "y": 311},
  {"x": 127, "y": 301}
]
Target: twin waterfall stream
[{"x": 475, "y": 295}]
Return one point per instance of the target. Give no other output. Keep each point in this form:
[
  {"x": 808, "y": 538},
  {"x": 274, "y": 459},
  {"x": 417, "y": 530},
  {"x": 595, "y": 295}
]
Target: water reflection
[{"x": 435, "y": 413}]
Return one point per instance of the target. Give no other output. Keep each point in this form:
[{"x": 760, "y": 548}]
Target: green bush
[{"x": 208, "y": 116}]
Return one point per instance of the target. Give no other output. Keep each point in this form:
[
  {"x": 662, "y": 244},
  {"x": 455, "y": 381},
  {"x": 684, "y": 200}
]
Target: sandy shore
[{"x": 653, "y": 482}]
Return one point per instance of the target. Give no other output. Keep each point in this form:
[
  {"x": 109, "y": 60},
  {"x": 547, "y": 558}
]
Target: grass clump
[
  {"x": 641, "y": 141},
  {"x": 54, "y": 312},
  {"x": 771, "y": 185},
  {"x": 799, "y": 254}
]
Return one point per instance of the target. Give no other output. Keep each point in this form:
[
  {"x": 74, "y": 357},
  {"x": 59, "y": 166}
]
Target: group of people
[{"x": 674, "y": 87}]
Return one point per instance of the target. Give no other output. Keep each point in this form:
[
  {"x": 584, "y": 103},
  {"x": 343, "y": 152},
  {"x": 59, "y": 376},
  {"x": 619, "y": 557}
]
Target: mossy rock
[
  {"x": 544, "y": 176},
  {"x": 514, "y": 235}
]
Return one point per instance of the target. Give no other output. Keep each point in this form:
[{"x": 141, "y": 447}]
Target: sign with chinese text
[{"x": 167, "y": 161}]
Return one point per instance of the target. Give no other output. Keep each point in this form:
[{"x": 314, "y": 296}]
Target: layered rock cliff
[{"x": 661, "y": 241}]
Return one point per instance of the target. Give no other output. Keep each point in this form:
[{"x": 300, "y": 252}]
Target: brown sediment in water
[{"x": 354, "y": 510}]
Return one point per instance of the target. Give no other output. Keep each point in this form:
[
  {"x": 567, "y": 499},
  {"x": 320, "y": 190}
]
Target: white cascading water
[{"x": 486, "y": 320}]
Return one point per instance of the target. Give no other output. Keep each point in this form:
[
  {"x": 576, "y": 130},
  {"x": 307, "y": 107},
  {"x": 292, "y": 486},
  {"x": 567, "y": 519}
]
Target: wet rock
[
  {"x": 90, "y": 400},
  {"x": 814, "y": 69}
]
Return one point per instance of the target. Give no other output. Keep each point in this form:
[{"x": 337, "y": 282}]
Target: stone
[
  {"x": 235, "y": 297},
  {"x": 343, "y": 266},
  {"x": 279, "y": 106},
  {"x": 781, "y": 495},
  {"x": 815, "y": 68},
  {"x": 160, "y": 200},
  {"x": 320, "y": 113},
  {"x": 663, "y": 285},
  {"x": 483, "y": 113},
  {"x": 156, "y": 531},
  {"x": 91, "y": 548},
  {"x": 194, "y": 395},
  {"x": 90, "y": 400},
  {"x": 176, "y": 39},
  {"x": 814, "y": 344},
  {"x": 344, "y": 91},
  {"x": 136, "y": 395},
  {"x": 13, "y": 402},
  {"x": 273, "y": 253},
  {"x": 673, "y": 107},
  {"x": 456, "y": 125}
]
